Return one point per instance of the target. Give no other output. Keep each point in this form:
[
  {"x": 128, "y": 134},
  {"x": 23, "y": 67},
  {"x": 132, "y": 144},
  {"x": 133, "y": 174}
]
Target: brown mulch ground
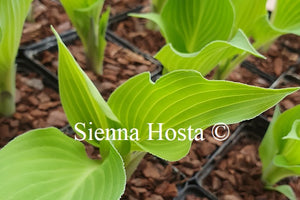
[{"x": 237, "y": 176}]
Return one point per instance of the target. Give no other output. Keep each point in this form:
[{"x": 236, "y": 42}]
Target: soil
[
  {"x": 44, "y": 14},
  {"x": 121, "y": 6},
  {"x": 237, "y": 176},
  {"x": 134, "y": 30},
  {"x": 37, "y": 106},
  {"x": 51, "y": 12},
  {"x": 199, "y": 153},
  {"x": 193, "y": 197},
  {"x": 293, "y": 42},
  {"x": 153, "y": 180},
  {"x": 279, "y": 57}
]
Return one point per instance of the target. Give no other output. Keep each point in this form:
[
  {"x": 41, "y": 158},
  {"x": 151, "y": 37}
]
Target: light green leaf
[
  {"x": 294, "y": 134},
  {"x": 157, "y": 5},
  {"x": 264, "y": 32},
  {"x": 155, "y": 17},
  {"x": 84, "y": 18},
  {"x": 253, "y": 9},
  {"x": 206, "y": 59},
  {"x": 190, "y": 26},
  {"x": 103, "y": 25},
  {"x": 279, "y": 151},
  {"x": 80, "y": 98},
  {"x": 268, "y": 148},
  {"x": 0, "y": 34},
  {"x": 181, "y": 99},
  {"x": 284, "y": 124},
  {"x": 12, "y": 17},
  {"x": 286, "y": 16},
  {"x": 285, "y": 169},
  {"x": 91, "y": 28},
  {"x": 46, "y": 164},
  {"x": 284, "y": 189},
  {"x": 93, "y": 7},
  {"x": 292, "y": 144},
  {"x": 284, "y": 19}
]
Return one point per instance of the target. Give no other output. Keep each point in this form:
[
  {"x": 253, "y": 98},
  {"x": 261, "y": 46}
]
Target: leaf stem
[
  {"x": 224, "y": 70},
  {"x": 7, "y": 91},
  {"x": 132, "y": 162},
  {"x": 272, "y": 174},
  {"x": 94, "y": 52}
]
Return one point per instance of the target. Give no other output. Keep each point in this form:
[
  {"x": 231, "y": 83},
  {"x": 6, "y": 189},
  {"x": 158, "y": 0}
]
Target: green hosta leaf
[
  {"x": 284, "y": 124},
  {"x": 268, "y": 148},
  {"x": 190, "y": 26},
  {"x": 286, "y": 16},
  {"x": 80, "y": 98},
  {"x": 279, "y": 150},
  {"x": 90, "y": 8},
  {"x": 102, "y": 28},
  {"x": 154, "y": 17},
  {"x": 84, "y": 17},
  {"x": 157, "y": 5},
  {"x": 0, "y": 34},
  {"x": 264, "y": 31},
  {"x": 181, "y": 99},
  {"x": 292, "y": 144},
  {"x": 284, "y": 19},
  {"x": 284, "y": 189},
  {"x": 206, "y": 59},
  {"x": 253, "y": 9},
  {"x": 91, "y": 28},
  {"x": 285, "y": 168},
  {"x": 46, "y": 164},
  {"x": 12, "y": 18}
]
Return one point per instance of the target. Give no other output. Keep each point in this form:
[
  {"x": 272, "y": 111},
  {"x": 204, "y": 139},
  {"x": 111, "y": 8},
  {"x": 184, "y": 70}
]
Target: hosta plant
[
  {"x": 91, "y": 28},
  {"x": 161, "y": 118},
  {"x": 12, "y": 16},
  {"x": 260, "y": 27},
  {"x": 280, "y": 150},
  {"x": 199, "y": 34}
]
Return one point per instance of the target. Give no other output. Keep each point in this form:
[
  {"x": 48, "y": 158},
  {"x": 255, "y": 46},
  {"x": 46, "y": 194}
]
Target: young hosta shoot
[
  {"x": 280, "y": 150},
  {"x": 252, "y": 17},
  {"x": 91, "y": 28},
  {"x": 12, "y": 16},
  {"x": 53, "y": 166},
  {"x": 199, "y": 34}
]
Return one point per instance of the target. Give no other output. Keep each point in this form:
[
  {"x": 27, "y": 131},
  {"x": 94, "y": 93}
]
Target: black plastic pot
[{"x": 24, "y": 65}]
